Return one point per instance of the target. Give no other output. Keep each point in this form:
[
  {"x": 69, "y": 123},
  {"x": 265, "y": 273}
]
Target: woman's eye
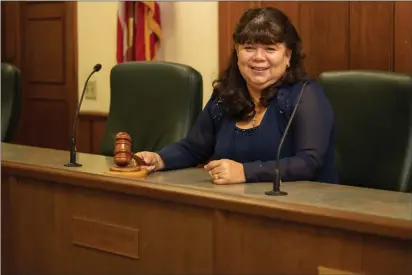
[{"x": 271, "y": 49}]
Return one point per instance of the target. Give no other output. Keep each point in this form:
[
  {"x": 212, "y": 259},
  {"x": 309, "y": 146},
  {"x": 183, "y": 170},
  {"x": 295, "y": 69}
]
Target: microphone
[
  {"x": 276, "y": 182},
  {"x": 73, "y": 152}
]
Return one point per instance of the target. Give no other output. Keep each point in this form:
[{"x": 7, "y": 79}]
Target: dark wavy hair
[{"x": 265, "y": 26}]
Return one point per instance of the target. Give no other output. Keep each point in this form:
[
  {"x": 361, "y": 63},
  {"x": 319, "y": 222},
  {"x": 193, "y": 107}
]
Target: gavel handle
[{"x": 139, "y": 161}]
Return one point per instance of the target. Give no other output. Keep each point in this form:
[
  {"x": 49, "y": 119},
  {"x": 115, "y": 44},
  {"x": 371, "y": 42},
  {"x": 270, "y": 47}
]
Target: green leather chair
[
  {"x": 155, "y": 102},
  {"x": 373, "y": 111},
  {"x": 10, "y": 101}
]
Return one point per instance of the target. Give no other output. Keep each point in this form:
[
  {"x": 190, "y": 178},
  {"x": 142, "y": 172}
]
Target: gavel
[{"x": 123, "y": 154}]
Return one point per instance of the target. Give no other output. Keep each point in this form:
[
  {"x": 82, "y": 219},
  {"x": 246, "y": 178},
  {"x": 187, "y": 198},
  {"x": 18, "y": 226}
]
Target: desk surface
[{"x": 361, "y": 209}]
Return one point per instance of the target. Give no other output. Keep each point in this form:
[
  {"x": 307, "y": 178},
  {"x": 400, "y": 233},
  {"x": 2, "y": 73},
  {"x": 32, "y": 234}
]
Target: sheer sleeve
[
  {"x": 197, "y": 147},
  {"x": 311, "y": 132}
]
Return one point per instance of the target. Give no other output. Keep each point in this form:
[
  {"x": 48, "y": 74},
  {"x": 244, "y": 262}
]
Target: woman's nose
[{"x": 259, "y": 55}]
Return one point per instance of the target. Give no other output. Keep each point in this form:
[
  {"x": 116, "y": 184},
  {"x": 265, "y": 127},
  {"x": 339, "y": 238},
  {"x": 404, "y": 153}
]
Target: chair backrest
[
  {"x": 373, "y": 111},
  {"x": 10, "y": 101},
  {"x": 155, "y": 102}
]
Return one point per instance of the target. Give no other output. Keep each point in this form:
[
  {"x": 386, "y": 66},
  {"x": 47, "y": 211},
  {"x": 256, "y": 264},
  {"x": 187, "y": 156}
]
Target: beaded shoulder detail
[
  {"x": 217, "y": 112},
  {"x": 283, "y": 101},
  {"x": 286, "y": 98}
]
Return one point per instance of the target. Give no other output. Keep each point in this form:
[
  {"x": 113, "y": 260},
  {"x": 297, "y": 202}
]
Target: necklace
[
  {"x": 254, "y": 117},
  {"x": 254, "y": 120},
  {"x": 257, "y": 104}
]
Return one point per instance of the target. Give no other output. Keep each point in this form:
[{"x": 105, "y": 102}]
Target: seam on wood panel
[
  {"x": 393, "y": 53},
  {"x": 348, "y": 31}
]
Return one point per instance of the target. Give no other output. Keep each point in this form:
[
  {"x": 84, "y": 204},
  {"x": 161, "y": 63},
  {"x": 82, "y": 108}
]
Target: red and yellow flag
[{"x": 138, "y": 31}]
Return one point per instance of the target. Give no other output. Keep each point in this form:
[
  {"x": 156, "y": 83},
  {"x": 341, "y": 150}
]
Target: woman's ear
[
  {"x": 288, "y": 55},
  {"x": 236, "y": 46}
]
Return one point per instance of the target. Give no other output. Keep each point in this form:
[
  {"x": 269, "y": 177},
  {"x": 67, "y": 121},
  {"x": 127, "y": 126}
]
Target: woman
[{"x": 240, "y": 128}]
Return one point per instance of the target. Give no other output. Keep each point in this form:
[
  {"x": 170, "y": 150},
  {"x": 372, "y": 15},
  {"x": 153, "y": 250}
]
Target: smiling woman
[
  {"x": 267, "y": 52},
  {"x": 240, "y": 129}
]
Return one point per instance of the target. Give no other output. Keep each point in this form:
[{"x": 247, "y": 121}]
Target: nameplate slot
[{"x": 106, "y": 237}]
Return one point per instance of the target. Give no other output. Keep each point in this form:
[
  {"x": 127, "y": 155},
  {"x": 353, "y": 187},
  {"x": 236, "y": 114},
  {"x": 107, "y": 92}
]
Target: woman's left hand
[{"x": 226, "y": 171}]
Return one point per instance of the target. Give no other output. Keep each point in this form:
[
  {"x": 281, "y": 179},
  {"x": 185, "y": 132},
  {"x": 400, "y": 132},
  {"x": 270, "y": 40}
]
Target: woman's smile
[{"x": 258, "y": 70}]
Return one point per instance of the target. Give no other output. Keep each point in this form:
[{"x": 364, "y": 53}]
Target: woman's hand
[
  {"x": 153, "y": 161},
  {"x": 226, "y": 171}
]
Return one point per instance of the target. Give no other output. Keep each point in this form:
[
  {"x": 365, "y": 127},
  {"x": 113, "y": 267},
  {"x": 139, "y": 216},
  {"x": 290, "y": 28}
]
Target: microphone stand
[
  {"x": 276, "y": 182},
  {"x": 73, "y": 143}
]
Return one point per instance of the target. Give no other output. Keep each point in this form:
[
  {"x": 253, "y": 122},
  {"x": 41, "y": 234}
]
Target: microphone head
[{"x": 97, "y": 67}]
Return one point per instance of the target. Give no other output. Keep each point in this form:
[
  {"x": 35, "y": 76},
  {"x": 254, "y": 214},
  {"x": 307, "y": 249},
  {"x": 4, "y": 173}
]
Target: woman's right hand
[{"x": 153, "y": 161}]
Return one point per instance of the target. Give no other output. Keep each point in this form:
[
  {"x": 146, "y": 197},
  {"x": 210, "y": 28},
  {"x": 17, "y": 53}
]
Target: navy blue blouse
[{"x": 307, "y": 152}]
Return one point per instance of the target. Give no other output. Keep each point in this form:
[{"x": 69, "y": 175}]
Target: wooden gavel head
[{"x": 122, "y": 149}]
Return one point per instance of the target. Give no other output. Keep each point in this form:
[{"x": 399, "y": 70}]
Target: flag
[{"x": 138, "y": 30}]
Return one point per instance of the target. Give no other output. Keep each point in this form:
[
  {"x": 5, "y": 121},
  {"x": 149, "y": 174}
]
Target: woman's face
[{"x": 262, "y": 65}]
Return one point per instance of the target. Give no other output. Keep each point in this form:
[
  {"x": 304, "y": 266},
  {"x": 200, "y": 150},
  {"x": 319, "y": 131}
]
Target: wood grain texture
[
  {"x": 187, "y": 225},
  {"x": 290, "y": 8},
  {"x": 360, "y": 209},
  {"x": 403, "y": 37},
  {"x": 107, "y": 237},
  {"x": 339, "y": 35},
  {"x": 324, "y": 31},
  {"x": 90, "y": 131},
  {"x": 229, "y": 15},
  {"x": 372, "y": 35},
  {"x": 6, "y": 229},
  {"x": 49, "y": 71},
  {"x": 10, "y": 40}
]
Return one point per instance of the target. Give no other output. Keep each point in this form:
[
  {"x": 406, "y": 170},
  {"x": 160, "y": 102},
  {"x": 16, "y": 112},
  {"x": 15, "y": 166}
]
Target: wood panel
[
  {"x": 187, "y": 226},
  {"x": 290, "y": 8},
  {"x": 323, "y": 28},
  {"x": 6, "y": 241},
  {"x": 302, "y": 249},
  {"x": 50, "y": 119},
  {"x": 10, "y": 40},
  {"x": 229, "y": 15},
  {"x": 371, "y": 35},
  {"x": 42, "y": 43},
  {"x": 310, "y": 18},
  {"x": 49, "y": 247},
  {"x": 90, "y": 131},
  {"x": 338, "y": 35},
  {"x": 403, "y": 37}
]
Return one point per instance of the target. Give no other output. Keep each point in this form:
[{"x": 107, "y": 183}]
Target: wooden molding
[{"x": 93, "y": 115}]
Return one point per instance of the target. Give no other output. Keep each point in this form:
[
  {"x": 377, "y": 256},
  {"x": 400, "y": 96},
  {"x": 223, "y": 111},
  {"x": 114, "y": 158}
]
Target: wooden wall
[
  {"x": 337, "y": 35},
  {"x": 90, "y": 131}
]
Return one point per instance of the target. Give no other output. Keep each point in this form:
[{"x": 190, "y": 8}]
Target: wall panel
[
  {"x": 403, "y": 37},
  {"x": 229, "y": 15},
  {"x": 371, "y": 35},
  {"x": 324, "y": 31},
  {"x": 338, "y": 35},
  {"x": 90, "y": 131}
]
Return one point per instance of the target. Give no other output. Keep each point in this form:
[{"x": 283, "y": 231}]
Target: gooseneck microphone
[
  {"x": 276, "y": 182},
  {"x": 73, "y": 150}
]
